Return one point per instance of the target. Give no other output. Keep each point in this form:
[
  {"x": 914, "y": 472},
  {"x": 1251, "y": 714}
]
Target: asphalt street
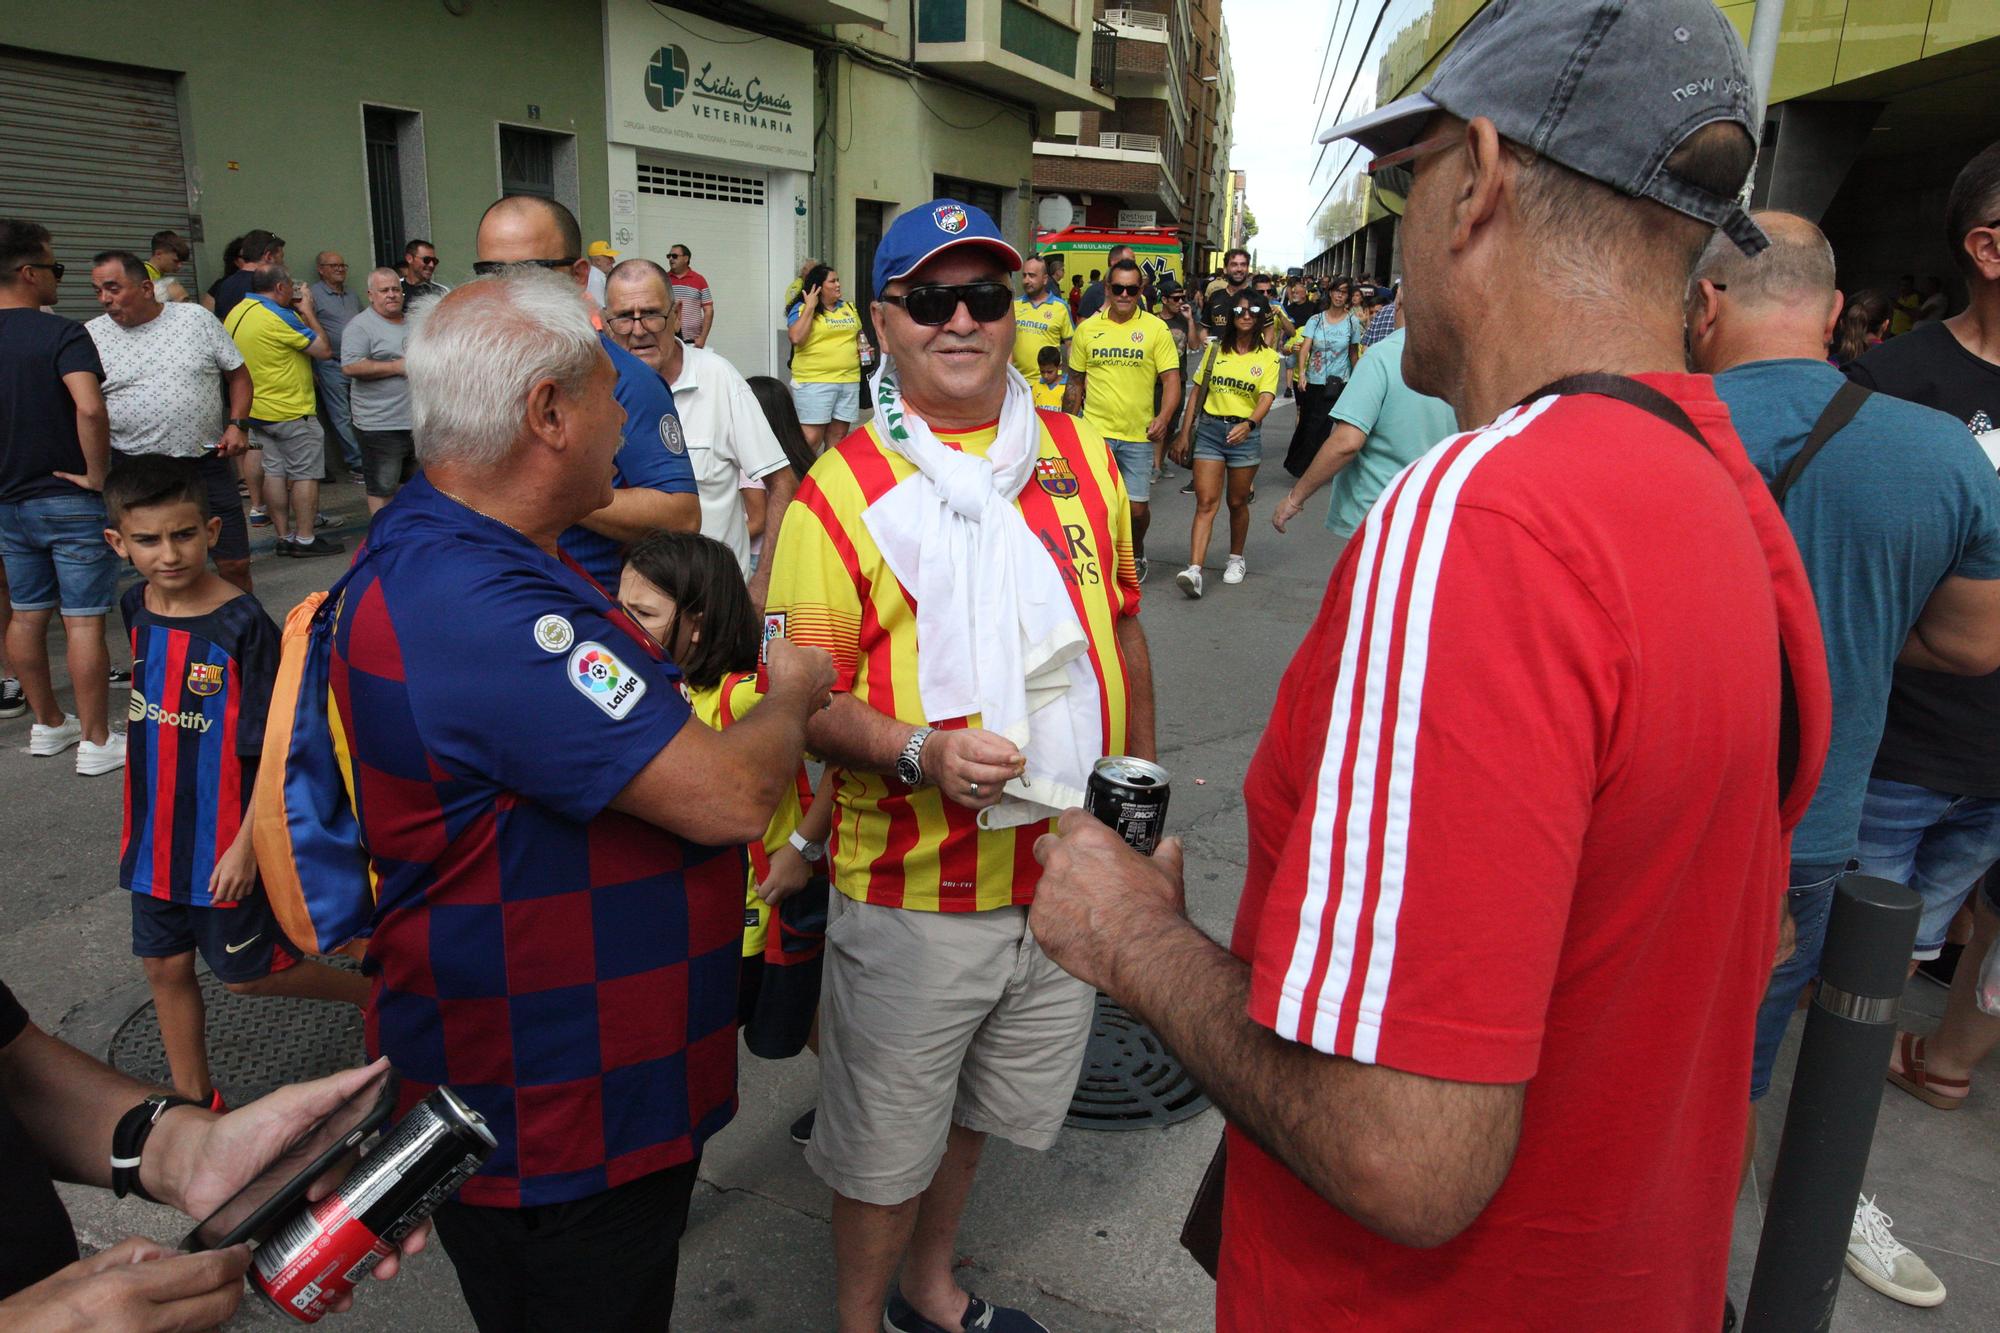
[{"x": 1084, "y": 1236}]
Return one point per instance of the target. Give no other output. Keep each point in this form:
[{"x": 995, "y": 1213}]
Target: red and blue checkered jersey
[
  {"x": 201, "y": 686},
  {"x": 568, "y": 970}
]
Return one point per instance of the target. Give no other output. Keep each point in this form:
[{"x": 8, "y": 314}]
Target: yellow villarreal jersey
[
  {"x": 273, "y": 341},
  {"x": 1238, "y": 379},
  {"x": 1038, "y": 325},
  {"x": 1046, "y": 395},
  {"x": 830, "y": 587},
  {"x": 1124, "y": 362},
  {"x": 831, "y": 353},
  {"x": 718, "y": 705}
]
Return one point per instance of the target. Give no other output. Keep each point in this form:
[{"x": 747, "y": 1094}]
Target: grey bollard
[{"x": 1836, "y": 1093}]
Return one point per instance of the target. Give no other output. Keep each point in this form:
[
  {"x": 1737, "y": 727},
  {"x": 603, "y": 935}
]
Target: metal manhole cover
[
  {"x": 1129, "y": 1080},
  {"x": 255, "y": 1043}
]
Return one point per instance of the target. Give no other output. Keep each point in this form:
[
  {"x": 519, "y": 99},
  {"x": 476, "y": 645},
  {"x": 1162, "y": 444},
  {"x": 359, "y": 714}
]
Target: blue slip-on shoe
[{"x": 902, "y": 1317}]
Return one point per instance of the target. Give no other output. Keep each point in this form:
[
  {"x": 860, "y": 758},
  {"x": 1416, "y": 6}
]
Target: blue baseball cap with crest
[{"x": 928, "y": 230}]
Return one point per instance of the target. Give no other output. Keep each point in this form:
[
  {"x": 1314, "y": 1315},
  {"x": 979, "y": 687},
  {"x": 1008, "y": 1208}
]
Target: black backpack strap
[
  {"x": 1650, "y": 400},
  {"x": 1630, "y": 391},
  {"x": 1831, "y": 422}
]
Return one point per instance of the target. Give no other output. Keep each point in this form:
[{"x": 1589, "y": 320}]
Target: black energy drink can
[
  {"x": 318, "y": 1254},
  {"x": 1131, "y": 796}
]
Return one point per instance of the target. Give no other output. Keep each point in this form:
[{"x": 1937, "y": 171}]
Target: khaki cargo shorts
[{"x": 929, "y": 1019}]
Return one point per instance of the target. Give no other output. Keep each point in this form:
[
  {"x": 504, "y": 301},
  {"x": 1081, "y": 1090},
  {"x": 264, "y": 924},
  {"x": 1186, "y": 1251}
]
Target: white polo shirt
[{"x": 727, "y": 438}]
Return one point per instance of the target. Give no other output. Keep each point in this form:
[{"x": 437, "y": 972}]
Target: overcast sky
[{"x": 1276, "y": 46}]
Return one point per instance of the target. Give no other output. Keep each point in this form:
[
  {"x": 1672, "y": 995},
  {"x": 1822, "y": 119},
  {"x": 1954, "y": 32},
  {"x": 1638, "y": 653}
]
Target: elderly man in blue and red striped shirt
[{"x": 558, "y": 853}]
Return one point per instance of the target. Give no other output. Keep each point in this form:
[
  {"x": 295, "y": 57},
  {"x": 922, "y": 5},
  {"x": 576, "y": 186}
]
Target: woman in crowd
[
  {"x": 1223, "y": 434},
  {"x": 1324, "y": 350},
  {"x": 826, "y": 358},
  {"x": 1863, "y": 323}
]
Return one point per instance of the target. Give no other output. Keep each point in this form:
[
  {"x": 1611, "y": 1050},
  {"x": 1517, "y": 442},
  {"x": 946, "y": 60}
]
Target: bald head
[
  {"x": 1779, "y": 304},
  {"x": 522, "y": 228},
  {"x": 1796, "y": 271}
]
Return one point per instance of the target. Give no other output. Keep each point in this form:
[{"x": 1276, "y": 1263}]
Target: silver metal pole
[{"x": 1765, "y": 29}]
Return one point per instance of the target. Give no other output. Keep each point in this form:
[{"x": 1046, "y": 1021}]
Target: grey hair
[
  {"x": 384, "y": 271},
  {"x": 269, "y": 278},
  {"x": 474, "y": 357}
]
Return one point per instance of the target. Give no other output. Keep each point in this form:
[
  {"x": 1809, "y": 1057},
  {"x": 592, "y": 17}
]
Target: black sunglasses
[
  {"x": 936, "y": 304},
  {"x": 1126, "y": 289},
  {"x": 56, "y": 269},
  {"x": 486, "y": 268}
]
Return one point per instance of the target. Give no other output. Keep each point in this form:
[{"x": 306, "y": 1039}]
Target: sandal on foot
[{"x": 1947, "y": 1094}]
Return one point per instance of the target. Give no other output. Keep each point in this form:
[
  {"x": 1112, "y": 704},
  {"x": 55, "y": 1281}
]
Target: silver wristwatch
[
  {"x": 810, "y": 852},
  {"x": 909, "y": 764}
]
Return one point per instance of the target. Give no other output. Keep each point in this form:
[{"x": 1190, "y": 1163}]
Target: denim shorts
[
  {"x": 821, "y": 403},
  {"x": 1211, "y": 436},
  {"x": 388, "y": 459},
  {"x": 56, "y": 556},
  {"x": 1135, "y": 465},
  {"x": 1810, "y": 898},
  {"x": 1936, "y": 843}
]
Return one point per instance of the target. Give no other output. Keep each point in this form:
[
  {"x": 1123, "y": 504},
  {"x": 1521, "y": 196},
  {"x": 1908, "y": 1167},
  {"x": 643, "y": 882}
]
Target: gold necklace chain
[{"x": 481, "y": 512}]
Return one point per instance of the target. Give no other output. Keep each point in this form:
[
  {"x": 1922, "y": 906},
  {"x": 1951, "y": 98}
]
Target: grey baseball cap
[{"x": 1607, "y": 88}]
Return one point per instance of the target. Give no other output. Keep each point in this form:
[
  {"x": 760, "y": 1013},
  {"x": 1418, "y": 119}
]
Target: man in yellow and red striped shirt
[{"x": 940, "y": 1019}]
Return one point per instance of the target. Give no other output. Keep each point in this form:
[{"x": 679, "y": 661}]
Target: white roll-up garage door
[
  {"x": 719, "y": 212},
  {"x": 93, "y": 153}
]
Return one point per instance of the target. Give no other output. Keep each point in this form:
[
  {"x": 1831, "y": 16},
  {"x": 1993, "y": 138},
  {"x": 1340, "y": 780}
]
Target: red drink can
[{"x": 320, "y": 1252}]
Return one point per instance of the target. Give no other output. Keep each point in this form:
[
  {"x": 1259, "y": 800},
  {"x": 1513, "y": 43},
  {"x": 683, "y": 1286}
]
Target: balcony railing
[
  {"x": 1134, "y": 143},
  {"x": 1137, "y": 18},
  {"x": 1104, "y": 59}
]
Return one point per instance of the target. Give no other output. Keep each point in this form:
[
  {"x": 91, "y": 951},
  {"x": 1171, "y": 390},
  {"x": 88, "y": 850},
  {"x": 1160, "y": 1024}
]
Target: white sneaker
[
  {"x": 1885, "y": 1263},
  {"x": 1190, "y": 580},
  {"x": 45, "y": 741},
  {"x": 93, "y": 760},
  {"x": 1233, "y": 571}
]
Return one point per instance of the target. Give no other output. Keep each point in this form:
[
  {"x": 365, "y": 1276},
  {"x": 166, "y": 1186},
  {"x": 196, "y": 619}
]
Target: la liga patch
[{"x": 602, "y": 677}]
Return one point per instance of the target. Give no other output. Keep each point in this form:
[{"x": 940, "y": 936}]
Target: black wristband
[{"x": 128, "y": 1142}]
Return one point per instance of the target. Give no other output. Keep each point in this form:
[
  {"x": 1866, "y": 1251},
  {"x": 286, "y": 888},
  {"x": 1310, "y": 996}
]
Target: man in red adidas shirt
[{"x": 1517, "y": 832}]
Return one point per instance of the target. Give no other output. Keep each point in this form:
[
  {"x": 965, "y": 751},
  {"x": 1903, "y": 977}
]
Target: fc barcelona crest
[
  {"x": 1055, "y": 477},
  {"x": 204, "y": 678}
]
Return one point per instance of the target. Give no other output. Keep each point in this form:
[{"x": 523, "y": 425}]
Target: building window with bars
[
  {"x": 399, "y": 204},
  {"x": 538, "y": 162}
]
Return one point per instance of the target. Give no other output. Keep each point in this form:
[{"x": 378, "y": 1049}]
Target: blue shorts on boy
[{"x": 201, "y": 686}]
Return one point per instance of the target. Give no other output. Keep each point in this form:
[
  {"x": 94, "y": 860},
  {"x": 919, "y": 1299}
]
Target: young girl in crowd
[{"x": 688, "y": 593}]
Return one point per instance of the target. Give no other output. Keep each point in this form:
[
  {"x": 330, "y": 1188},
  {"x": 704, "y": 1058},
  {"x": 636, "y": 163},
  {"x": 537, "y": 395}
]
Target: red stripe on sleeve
[
  {"x": 229, "y": 779},
  {"x": 166, "y": 758},
  {"x": 819, "y": 506}
]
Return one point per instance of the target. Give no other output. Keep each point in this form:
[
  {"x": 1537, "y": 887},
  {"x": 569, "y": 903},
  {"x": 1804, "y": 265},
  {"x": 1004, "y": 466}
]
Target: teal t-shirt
[
  {"x": 1401, "y": 426},
  {"x": 1328, "y": 338},
  {"x": 1896, "y": 501}
]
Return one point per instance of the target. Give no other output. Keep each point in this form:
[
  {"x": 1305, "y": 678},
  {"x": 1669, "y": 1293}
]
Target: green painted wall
[
  {"x": 275, "y": 88},
  {"x": 896, "y": 139}
]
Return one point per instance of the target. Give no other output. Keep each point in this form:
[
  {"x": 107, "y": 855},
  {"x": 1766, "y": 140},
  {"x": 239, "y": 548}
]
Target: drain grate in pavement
[
  {"x": 1129, "y": 1080},
  {"x": 255, "y": 1043}
]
